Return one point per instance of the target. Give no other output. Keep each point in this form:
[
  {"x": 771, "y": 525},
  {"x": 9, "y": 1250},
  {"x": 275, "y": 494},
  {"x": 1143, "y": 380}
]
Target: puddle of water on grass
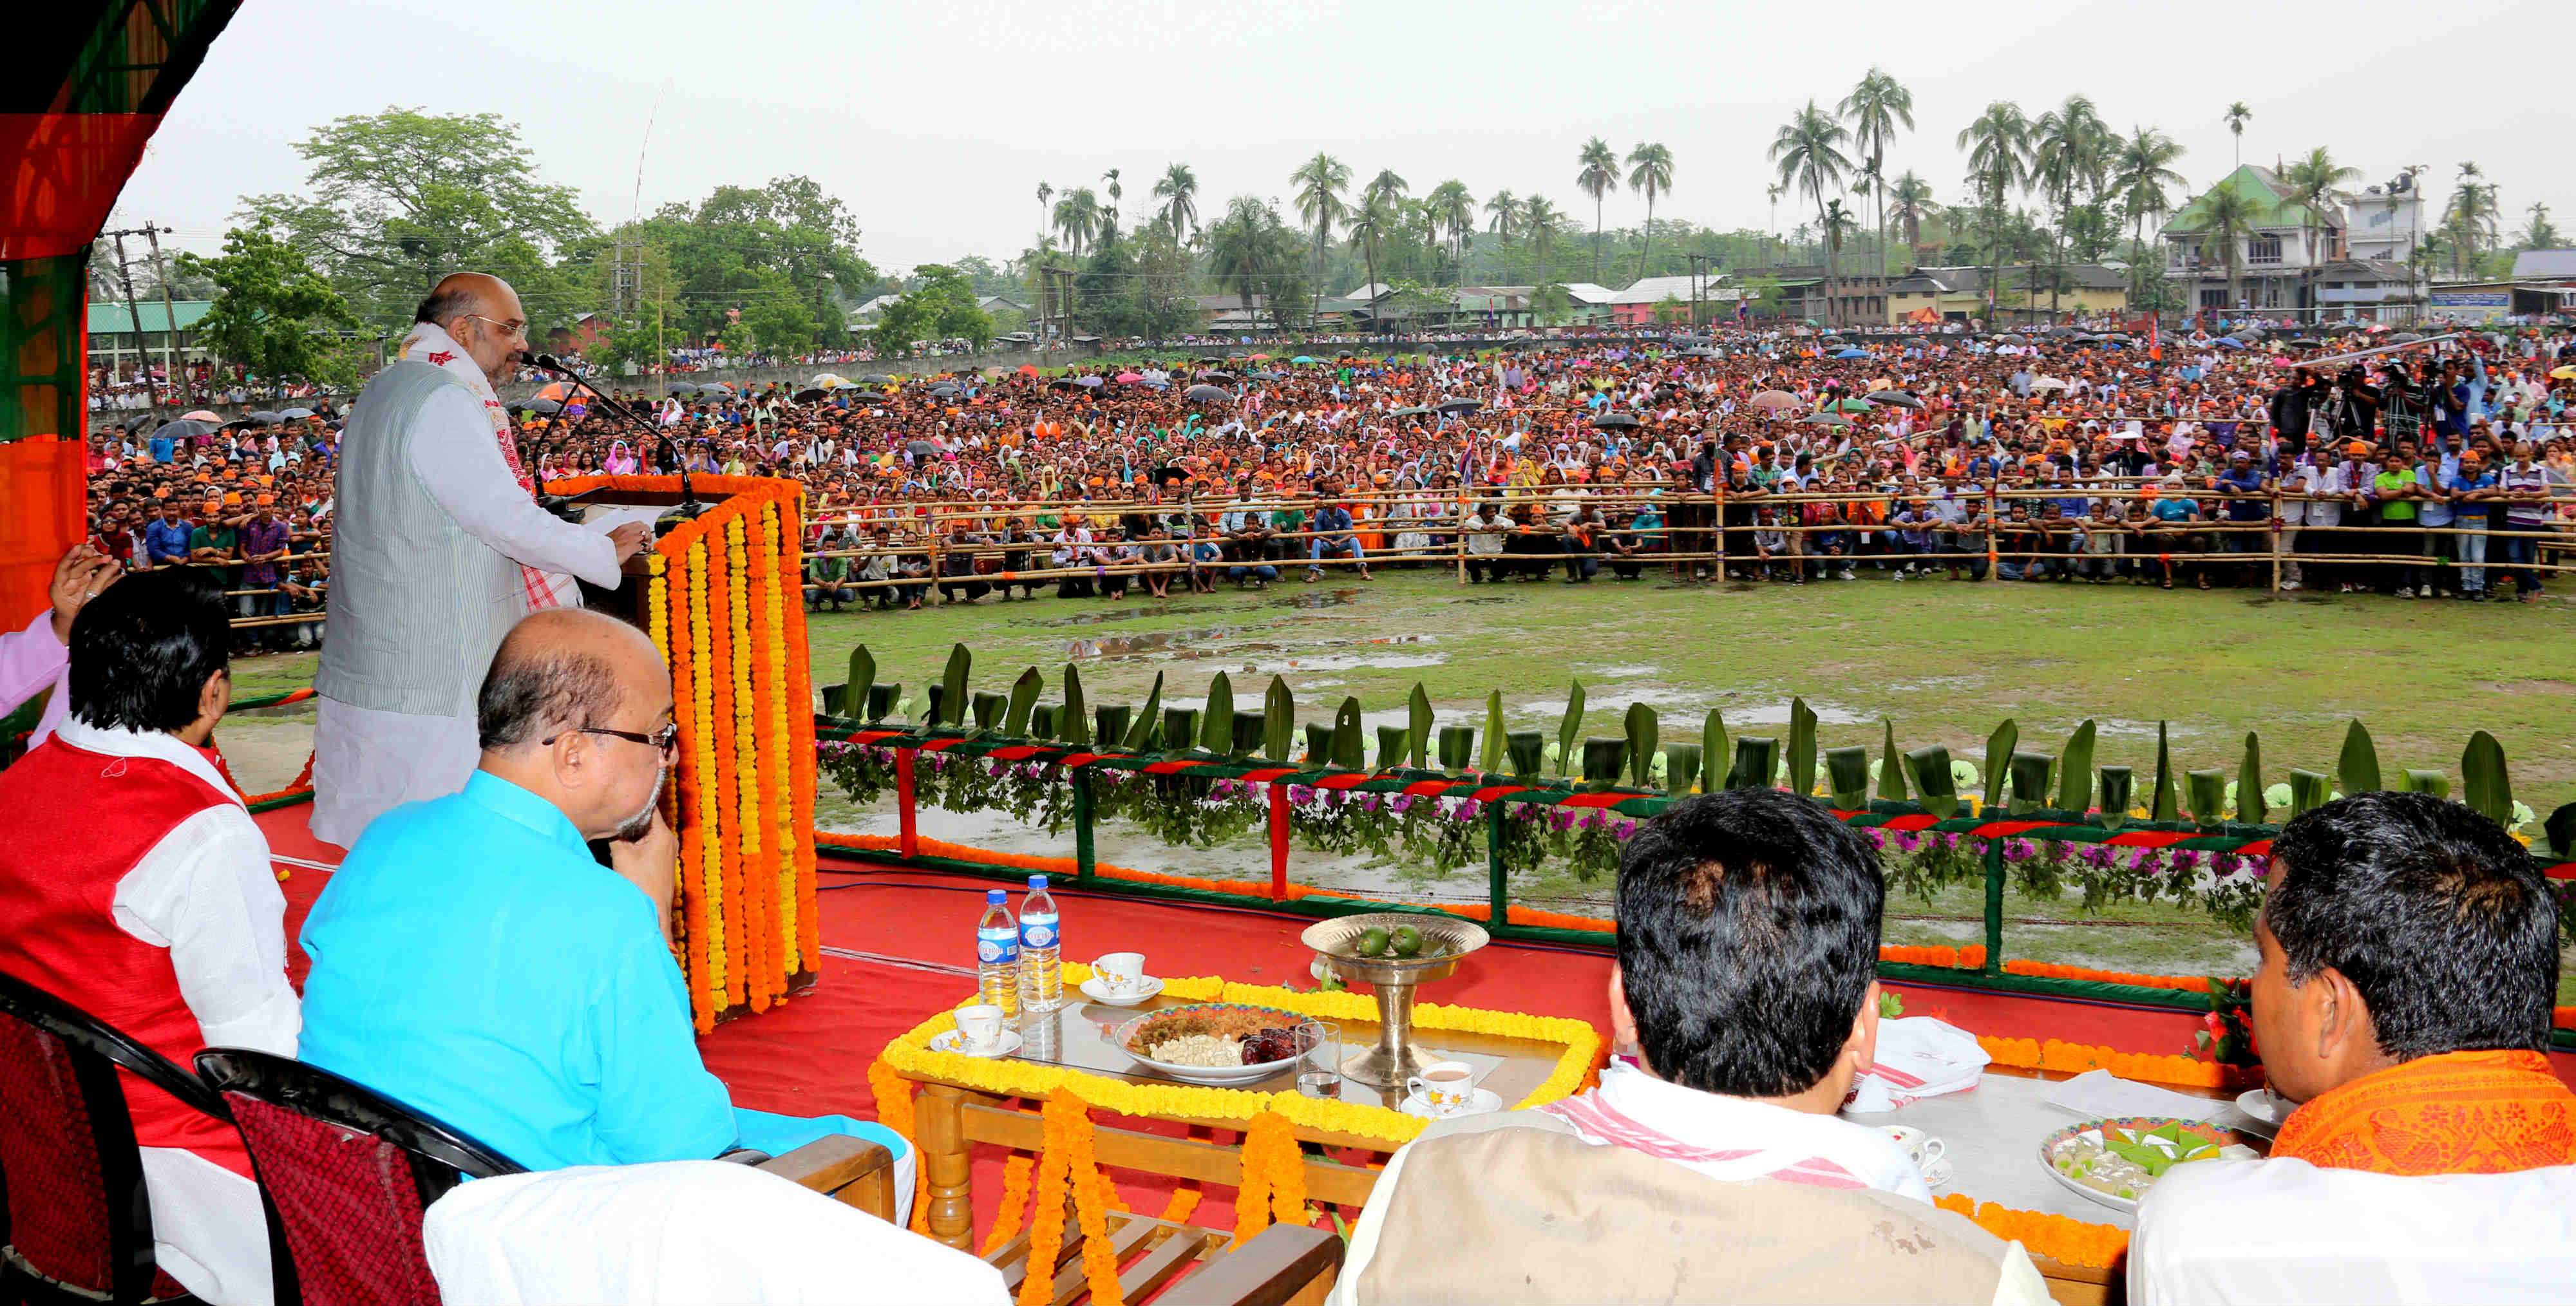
[
  {"x": 1625, "y": 670},
  {"x": 1177, "y": 642},
  {"x": 1349, "y": 662},
  {"x": 1318, "y": 599},
  {"x": 1102, "y": 618}
]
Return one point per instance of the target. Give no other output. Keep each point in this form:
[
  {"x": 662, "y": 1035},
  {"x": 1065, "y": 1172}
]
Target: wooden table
[{"x": 951, "y": 1118}]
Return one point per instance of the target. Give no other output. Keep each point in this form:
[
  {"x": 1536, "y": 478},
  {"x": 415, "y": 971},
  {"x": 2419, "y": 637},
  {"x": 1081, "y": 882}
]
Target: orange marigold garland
[
  {"x": 1184, "y": 1202},
  {"x": 2051, "y": 970},
  {"x": 895, "y": 1111},
  {"x": 777, "y": 788},
  {"x": 1016, "y": 1173},
  {"x": 741, "y": 597},
  {"x": 2067, "y": 1241},
  {"x": 800, "y": 736},
  {"x": 2075, "y": 1058},
  {"x": 709, "y": 946},
  {"x": 1068, "y": 1168},
  {"x": 1274, "y": 1178},
  {"x": 727, "y": 780}
]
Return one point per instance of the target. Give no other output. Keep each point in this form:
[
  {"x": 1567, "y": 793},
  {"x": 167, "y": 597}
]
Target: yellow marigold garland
[
  {"x": 752, "y": 928},
  {"x": 701, "y": 709},
  {"x": 1274, "y": 1178},
  {"x": 778, "y": 777}
]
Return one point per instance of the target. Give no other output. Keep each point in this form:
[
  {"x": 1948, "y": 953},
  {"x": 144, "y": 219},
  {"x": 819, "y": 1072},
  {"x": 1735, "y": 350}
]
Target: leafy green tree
[
  {"x": 741, "y": 244},
  {"x": 941, "y": 308},
  {"x": 273, "y": 314},
  {"x": 1551, "y": 304},
  {"x": 398, "y": 199},
  {"x": 1253, "y": 253}
]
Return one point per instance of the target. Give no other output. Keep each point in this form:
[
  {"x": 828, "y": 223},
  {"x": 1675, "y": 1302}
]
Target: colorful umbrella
[{"x": 1774, "y": 399}]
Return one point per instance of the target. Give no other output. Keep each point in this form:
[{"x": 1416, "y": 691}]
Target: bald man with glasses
[{"x": 440, "y": 549}]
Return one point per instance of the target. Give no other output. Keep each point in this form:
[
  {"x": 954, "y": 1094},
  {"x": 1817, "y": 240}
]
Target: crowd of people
[{"x": 2361, "y": 461}]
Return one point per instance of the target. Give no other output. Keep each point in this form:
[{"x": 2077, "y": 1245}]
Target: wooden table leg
[{"x": 941, "y": 1132}]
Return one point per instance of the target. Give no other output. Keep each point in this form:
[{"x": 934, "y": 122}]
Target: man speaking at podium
[{"x": 440, "y": 548}]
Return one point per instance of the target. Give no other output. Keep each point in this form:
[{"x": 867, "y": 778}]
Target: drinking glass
[{"x": 1319, "y": 1064}]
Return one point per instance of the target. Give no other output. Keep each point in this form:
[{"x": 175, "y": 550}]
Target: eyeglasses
[
  {"x": 511, "y": 328},
  {"x": 666, "y": 739}
]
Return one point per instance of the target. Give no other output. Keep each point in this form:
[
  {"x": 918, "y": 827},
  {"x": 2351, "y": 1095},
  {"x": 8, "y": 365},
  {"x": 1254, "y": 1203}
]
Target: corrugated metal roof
[
  {"x": 110, "y": 318},
  {"x": 2544, "y": 263}
]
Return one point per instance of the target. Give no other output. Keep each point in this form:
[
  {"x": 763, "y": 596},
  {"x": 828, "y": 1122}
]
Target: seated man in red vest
[{"x": 153, "y": 906}]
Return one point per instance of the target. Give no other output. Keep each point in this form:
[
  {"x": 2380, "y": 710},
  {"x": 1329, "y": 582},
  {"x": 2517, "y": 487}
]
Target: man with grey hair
[{"x": 440, "y": 548}]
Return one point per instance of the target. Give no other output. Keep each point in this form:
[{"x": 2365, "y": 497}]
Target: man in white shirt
[
  {"x": 1743, "y": 1006},
  {"x": 153, "y": 907}
]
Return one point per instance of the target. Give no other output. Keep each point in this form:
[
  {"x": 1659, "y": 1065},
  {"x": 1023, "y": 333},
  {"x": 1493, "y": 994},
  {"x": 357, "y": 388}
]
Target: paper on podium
[
  {"x": 2099, "y": 1093},
  {"x": 606, "y": 517}
]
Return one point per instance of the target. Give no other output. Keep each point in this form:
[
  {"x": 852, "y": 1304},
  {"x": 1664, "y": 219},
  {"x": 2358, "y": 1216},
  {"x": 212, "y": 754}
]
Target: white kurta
[
  {"x": 367, "y": 761},
  {"x": 208, "y": 893}
]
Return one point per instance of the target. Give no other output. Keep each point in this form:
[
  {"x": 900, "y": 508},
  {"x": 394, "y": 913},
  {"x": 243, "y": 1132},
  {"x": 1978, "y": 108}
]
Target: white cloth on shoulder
[
  {"x": 683, "y": 1232},
  {"x": 2223, "y": 1232},
  {"x": 1918, "y": 1056}
]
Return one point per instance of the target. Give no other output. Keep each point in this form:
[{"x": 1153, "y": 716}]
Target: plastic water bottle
[
  {"x": 1041, "y": 947},
  {"x": 997, "y": 954}
]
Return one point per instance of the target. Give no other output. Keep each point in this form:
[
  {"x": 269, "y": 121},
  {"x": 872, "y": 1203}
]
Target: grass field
[{"x": 1945, "y": 661}]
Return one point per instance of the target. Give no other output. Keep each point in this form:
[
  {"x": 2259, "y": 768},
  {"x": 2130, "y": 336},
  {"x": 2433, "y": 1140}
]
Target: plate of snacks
[
  {"x": 1213, "y": 1043},
  {"x": 2114, "y": 1162}
]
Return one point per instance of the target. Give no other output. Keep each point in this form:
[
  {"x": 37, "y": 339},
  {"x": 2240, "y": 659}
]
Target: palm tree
[
  {"x": 2237, "y": 116},
  {"x": 1505, "y": 209},
  {"x": 2140, "y": 173},
  {"x": 1079, "y": 216},
  {"x": 1320, "y": 182},
  {"x": 1998, "y": 146},
  {"x": 1808, "y": 150},
  {"x": 1876, "y": 107},
  {"x": 1453, "y": 210},
  {"x": 1539, "y": 221},
  {"x": 2541, "y": 234},
  {"x": 1836, "y": 227},
  {"x": 1374, "y": 217},
  {"x": 2067, "y": 157},
  {"x": 1045, "y": 192},
  {"x": 1772, "y": 234},
  {"x": 2226, "y": 223},
  {"x": 1115, "y": 194},
  {"x": 2471, "y": 217},
  {"x": 1179, "y": 190},
  {"x": 2313, "y": 179},
  {"x": 1599, "y": 177},
  {"x": 1251, "y": 249},
  {"x": 1913, "y": 197},
  {"x": 1650, "y": 169}
]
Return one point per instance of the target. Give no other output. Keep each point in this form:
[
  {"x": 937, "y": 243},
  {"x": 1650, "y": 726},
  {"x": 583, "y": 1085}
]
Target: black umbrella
[
  {"x": 296, "y": 414},
  {"x": 944, "y": 389},
  {"x": 183, "y": 429},
  {"x": 1216, "y": 376},
  {"x": 139, "y": 421},
  {"x": 1415, "y": 411},
  {"x": 922, "y": 449},
  {"x": 1265, "y": 376},
  {"x": 2305, "y": 343},
  {"x": 2404, "y": 338},
  {"x": 1461, "y": 405},
  {"x": 866, "y": 396},
  {"x": 548, "y": 406},
  {"x": 1208, "y": 394},
  {"x": 878, "y": 378},
  {"x": 810, "y": 396},
  {"x": 1614, "y": 421},
  {"x": 1894, "y": 398},
  {"x": 2012, "y": 340},
  {"x": 263, "y": 417},
  {"x": 683, "y": 387},
  {"x": 1087, "y": 382}
]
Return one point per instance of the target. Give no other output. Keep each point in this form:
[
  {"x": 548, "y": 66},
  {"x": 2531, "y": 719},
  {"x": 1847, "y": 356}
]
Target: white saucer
[
  {"x": 953, "y": 1040},
  {"x": 2268, "y": 1110},
  {"x": 1106, "y": 996},
  {"x": 1479, "y": 1101},
  {"x": 1937, "y": 1172}
]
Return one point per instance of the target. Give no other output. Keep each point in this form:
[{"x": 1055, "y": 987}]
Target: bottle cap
[
  {"x": 997, "y": 895},
  {"x": 1037, "y": 882}
]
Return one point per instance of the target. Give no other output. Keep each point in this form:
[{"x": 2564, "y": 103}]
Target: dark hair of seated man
[
  {"x": 1748, "y": 941},
  {"x": 142, "y": 651}
]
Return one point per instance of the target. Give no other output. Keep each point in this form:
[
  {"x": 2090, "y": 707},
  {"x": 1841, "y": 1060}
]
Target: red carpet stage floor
[{"x": 811, "y": 1056}]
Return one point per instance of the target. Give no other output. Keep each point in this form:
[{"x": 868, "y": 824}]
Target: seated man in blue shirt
[{"x": 471, "y": 959}]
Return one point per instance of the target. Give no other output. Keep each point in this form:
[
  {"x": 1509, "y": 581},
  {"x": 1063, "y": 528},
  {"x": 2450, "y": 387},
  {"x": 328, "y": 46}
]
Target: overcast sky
[{"x": 935, "y": 122}]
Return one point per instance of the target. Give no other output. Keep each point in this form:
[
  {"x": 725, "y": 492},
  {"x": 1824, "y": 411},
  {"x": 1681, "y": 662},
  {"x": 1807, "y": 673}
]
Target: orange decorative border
[
  {"x": 2076, "y": 1058},
  {"x": 2051, "y": 970},
  {"x": 2057, "y": 1237}
]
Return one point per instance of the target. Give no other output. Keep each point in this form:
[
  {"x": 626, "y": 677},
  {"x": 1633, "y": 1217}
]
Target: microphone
[{"x": 689, "y": 507}]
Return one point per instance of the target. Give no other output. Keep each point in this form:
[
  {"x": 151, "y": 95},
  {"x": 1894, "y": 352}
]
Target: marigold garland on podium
[{"x": 723, "y": 596}]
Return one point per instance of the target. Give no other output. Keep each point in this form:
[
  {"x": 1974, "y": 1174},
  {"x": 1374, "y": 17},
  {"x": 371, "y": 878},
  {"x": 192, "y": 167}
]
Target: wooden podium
[{"x": 722, "y": 595}]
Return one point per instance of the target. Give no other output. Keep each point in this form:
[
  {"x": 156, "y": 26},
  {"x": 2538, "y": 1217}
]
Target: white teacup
[
  {"x": 1120, "y": 972},
  {"x": 1921, "y": 1148},
  {"x": 1444, "y": 1086},
  {"x": 979, "y": 1027}
]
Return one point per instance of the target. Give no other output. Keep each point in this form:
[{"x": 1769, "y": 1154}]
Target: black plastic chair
[
  {"x": 348, "y": 1174},
  {"x": 76, "y": 1225}
]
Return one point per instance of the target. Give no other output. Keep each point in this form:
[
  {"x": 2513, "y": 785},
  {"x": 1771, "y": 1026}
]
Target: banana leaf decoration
[
  {"x": 1571, "y": 728},
  {"x": 1644, "y": 732},
  {"x": 1457, "y": 748},
  {"x": 2208, "y": 796},
  {"x": 1491, "y": 760},
  {"x": 988, "y": 710},
  {"x": 1602, "y": 759},
  {"x": 952, "y": 703},
  {"x": 2029, "y": 781},
  {"x": 1109, "y": 725},
  {"x": 1024, "y": 697},
  {"x": 1756, "y": 757},
  {"x": 2482, "y": 779},
  {"x": 1250, "y": 730},
  {"x": 1140, "y": 736},
  {"x": 2308, "y": 790},
  {"x": 1528, "y": 749},
  {"x": 2559, "y": 831},
  {"x": 884, "y": 699},
  {"x": 1042, "y": 721},
  {"x": 1714, "y": 752},
  {"x": 1073, "y": 718},
  {"x": 1319, "y": 744},
  {"x": 2249, "y": 782},
  {"x": 1681, "y": 768},
  {"x": 1350, "y": 751},
  {"x": 1278, "y": 720},
  {"x": 1932, "y": 778},
  {"x": 1417, "y": 713},
  {"x": 2117, "y": 784},
  {"x": 2358, "y": 767},
  {"x": 1891, "y": 768},
  {"x": 862, "y": 678},
  {"x": 2075, "y": 771},
  {"x": 1180, "y": 728},
  {"x": 2163, "y": 804},
  {"x": 1802, "y": 748},
  {"x": 930, "y": 715},
  {"x": 1999, "y": 751},
  {"x": 1216, "y": 734},
  {"x": 1847, "y": 775},
  {"x": 1392, "y": 743},
  {"x": 2427, "y": 782}
]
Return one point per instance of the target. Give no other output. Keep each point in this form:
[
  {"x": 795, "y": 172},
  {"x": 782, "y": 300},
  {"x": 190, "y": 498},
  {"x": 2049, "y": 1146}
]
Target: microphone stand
[{"x": 689, "y": 509}]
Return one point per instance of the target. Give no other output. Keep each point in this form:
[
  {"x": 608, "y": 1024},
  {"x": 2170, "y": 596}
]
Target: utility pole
[
  {"x": 151, "y": 390},
  {"x": 169, "y": 306}
]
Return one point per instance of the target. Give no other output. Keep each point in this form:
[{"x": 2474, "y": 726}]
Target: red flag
[{"x": 2155, "y": 349}]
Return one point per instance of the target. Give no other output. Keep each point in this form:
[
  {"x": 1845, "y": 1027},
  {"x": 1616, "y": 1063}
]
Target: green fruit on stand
[
  {"x": 1373, "y": 942},
  {"x": 1406, "y": 941}
]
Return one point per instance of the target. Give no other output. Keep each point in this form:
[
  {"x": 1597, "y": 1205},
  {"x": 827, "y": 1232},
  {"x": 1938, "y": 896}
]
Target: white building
[{"x": 2346, "y": 259}]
